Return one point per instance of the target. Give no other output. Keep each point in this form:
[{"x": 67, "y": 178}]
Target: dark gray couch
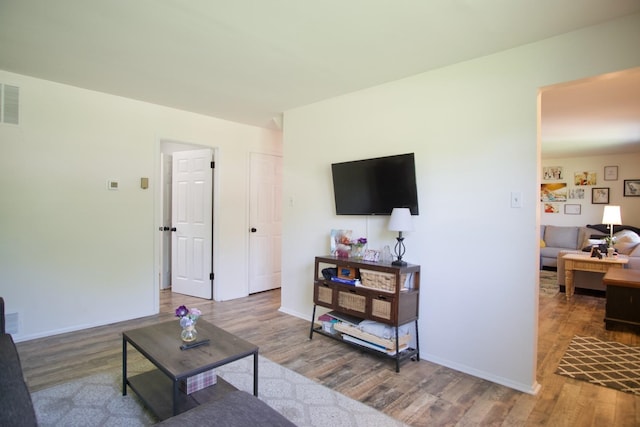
[
  {"x": 16, "y": 408},
  {"x": 236, "y": 409}
]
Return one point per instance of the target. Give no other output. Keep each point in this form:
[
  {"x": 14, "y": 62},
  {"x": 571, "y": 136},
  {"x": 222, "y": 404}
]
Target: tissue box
[{"x": 198, "y": 382}]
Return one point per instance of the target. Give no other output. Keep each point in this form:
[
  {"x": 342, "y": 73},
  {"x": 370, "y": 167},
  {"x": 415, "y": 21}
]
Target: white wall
[
  {"x": 74, "y": 255},
  {"x": 628, "y": 168},
  {"x": 473, "y": 128}
]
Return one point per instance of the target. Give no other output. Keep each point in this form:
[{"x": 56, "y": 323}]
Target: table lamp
[
  {"x": 400, "y": 221},
  {"x": 611, "y": 216}
]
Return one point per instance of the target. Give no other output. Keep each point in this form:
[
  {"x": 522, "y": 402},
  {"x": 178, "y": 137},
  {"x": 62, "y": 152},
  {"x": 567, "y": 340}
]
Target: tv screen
[{"x": 375, "y": 186}]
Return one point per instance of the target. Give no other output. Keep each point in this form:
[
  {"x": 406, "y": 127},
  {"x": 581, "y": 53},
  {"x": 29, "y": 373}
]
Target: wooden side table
[
  {"x": 584, "y": 262},
  {"x": 623, "y": 297}
]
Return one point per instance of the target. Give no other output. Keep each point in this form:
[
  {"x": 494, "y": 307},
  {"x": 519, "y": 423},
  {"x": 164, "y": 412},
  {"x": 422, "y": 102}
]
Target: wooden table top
[
  {"x": 161, "y": 343},
  {"x": 622, "y": 276},
  {"x": 620, "y": 259}
]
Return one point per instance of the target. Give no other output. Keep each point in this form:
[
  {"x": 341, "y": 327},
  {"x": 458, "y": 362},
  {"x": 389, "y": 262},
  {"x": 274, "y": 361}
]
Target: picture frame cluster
[{"x": 563, "y": 189}]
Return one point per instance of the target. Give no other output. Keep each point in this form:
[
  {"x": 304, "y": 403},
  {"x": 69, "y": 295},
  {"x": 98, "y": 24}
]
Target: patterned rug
[
  {"x": 609, "y": 364},
  {"x": 97, "y": 400},
  {"x": 548, "y": 283}
]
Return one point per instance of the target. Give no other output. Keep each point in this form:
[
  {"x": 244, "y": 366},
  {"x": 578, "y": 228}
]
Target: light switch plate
[{"x": 516, "y": 199}]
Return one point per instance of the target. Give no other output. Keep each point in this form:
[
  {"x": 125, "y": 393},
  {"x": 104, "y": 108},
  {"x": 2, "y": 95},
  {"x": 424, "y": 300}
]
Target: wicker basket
[
  {"x": 381, "y": 309},
  {"x": 352, "y": 302},
  {"x": 325, "y": 295},
  {"x": 379, "y": 280}
]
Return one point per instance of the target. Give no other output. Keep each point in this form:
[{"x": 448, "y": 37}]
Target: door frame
[{"x": 168, "y": 145}]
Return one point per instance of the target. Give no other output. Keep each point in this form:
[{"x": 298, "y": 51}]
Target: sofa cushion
[
  {"x": 561, "y": 237},
  {"x": 625, "y": 241},
  {"x": 236, "y": 409}
]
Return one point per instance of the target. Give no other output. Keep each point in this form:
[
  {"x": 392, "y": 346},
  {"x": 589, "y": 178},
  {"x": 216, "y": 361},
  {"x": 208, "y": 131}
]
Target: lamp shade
[
  {"x": 400, "y": 220},
  {"x": 611, "y": 215}
]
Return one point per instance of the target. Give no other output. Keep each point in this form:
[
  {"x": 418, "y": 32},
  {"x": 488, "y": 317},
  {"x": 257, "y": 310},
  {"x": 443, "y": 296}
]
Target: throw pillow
[
  {"x": 626, "y": 241},
  {"x": 589, "y": 241},
  {"x": 542, "y": 243}
]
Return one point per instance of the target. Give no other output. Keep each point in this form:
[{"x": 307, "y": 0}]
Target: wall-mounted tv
[{"x": 375, "y": 186}]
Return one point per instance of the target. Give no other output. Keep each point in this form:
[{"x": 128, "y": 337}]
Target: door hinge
[
  {"x": 213, "y": 165},
  {"x": 210, "y": 276}
]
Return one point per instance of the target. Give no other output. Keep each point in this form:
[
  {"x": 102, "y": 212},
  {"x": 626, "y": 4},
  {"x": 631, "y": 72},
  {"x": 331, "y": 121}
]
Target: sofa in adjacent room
[
  {"x": 235, "y": 409},
  {"x": 627, "y": 243},
  {"x": 554, "y": 239}
]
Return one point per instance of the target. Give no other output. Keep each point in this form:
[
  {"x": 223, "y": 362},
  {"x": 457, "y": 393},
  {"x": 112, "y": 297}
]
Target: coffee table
[
  {"x": 584, "y": 262},
  {"x": 160, "y": 344}
]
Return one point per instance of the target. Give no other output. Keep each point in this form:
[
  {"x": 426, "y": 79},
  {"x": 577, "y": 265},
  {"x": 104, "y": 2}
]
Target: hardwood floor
[{"x": 422, "y": 394}]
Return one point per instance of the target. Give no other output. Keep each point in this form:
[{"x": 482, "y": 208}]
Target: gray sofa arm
[{"x": 3, "y": 329}]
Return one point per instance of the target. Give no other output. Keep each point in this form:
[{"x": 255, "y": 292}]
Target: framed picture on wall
[
  {"x": 600, "y": 196},
  {"x": 552, "y": 173},
  {"x": 632, "y": 188},
  {"x": 610, "y": 173},
  {"x": 570, "y": 209},
  {"x": 585, "y": 178}
]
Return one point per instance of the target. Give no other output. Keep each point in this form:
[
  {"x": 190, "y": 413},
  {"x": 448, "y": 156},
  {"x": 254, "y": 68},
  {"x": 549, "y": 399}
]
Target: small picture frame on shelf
[
  {"x": 610, "y": 173},
  {"x": 632, "y": 188},
  {"x": 571, "y": 209},
  {"x": 371, "y": 255},
  {"x": 600, "y": 196}
]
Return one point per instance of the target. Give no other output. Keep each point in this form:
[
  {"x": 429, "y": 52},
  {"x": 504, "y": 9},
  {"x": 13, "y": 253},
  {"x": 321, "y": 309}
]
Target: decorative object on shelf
[
  {"x": 610, "y": 173},
  {"x": 611, "y": 216},
  {"x": 358, "y": 247},
  {"x": 371, "y": 255},
  {"x": 631, "y": 188},
  {"x": 600, "y": 196},
  {"x": 340, "y": 243},
  {"x": 188, "y": 320},
  {"x": 400, "y": 221}
]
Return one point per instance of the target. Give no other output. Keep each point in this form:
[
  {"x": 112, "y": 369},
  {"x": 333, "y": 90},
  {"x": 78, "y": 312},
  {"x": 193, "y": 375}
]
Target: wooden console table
[
  {"x": 623, "y": 297},
  {"x": 394, "y": 307},
  {"x": 584, "y": 262}
]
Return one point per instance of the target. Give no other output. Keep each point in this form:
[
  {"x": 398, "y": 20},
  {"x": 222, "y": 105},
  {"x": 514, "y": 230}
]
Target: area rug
[
  {"x": 548, "y": 283},
  {"x": 97, "y": 400},
  {"x": 609, "y": 364}
]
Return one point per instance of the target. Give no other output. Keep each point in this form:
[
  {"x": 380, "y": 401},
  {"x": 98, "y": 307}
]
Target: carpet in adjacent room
[{"x": 609, "y": 364}]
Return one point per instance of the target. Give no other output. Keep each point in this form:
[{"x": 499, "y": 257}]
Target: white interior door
[
  {"x": 265, "y": 214},
  {"x": 191, "y": 222}
]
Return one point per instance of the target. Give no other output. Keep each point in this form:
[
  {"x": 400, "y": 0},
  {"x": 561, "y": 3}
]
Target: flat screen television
[{"x": 375, "y": 186}]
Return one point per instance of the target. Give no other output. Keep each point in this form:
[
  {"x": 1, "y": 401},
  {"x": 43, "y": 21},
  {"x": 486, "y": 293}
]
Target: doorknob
[
  {"x": 173, "y": 229},
  {"x": 164, "y": 228},
  {"x": 253, "y": 229}
]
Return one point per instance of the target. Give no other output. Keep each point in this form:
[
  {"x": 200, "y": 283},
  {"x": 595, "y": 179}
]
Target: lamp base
[{"x": 399, "y": 263}]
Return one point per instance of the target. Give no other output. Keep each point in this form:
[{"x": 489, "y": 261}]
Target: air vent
[
  {"x": 10, "y": 104},
  {"x": 12, "y": 323}
]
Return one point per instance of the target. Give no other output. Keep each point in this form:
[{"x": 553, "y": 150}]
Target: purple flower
[
  {"x": 182, "y": 311},
  {"x": 362, "y": 241}
]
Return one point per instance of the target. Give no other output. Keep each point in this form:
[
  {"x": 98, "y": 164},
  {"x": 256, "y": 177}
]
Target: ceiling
[
  {"x": 594, "y": 116},
  {"x": 250, "y": 60}
]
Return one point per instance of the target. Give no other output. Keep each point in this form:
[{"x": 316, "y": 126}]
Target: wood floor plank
[{"x": 422, "y": 394}]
